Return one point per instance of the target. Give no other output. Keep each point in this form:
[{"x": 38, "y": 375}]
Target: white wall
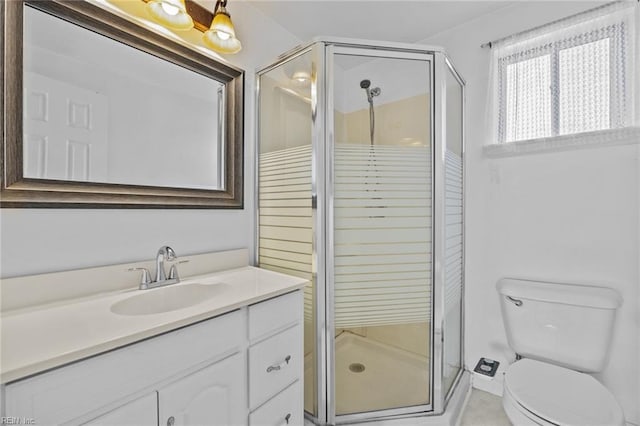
[
  {"x": 565, "y": 216},
  {"x": 44, "y": 240}
]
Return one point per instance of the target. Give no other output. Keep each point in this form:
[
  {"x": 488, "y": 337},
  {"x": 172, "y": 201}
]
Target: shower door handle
[{"x": 278, "y": 367}]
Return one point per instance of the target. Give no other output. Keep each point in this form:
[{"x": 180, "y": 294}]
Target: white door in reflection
[{"x": 65, "y": 131}]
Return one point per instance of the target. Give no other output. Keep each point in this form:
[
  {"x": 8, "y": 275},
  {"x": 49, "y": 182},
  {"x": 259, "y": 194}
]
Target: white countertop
[{"x": 39, "y": 338}]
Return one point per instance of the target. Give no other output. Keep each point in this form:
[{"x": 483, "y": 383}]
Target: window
[{"x": 570, "y": 77}]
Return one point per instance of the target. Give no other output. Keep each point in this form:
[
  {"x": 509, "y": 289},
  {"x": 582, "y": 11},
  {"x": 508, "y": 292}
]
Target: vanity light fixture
[
  {"x": 221, "y": 35},
  {"x": 170, "y": 13}
]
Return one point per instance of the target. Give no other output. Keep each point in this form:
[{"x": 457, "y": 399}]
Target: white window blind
[{"x": 573, "y": 76}]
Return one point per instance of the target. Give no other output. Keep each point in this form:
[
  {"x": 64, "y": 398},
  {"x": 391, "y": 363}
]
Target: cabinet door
[
  {"x": 215, "y": 395},
  {"x": 141, "y": 412}
]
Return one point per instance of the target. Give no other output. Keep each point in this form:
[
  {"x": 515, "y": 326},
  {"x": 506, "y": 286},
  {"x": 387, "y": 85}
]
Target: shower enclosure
[{"x": 360, "y": 187}]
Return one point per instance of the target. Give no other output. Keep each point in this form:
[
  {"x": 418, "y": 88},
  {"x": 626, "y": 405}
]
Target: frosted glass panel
[{"x": 383, "y": 237}]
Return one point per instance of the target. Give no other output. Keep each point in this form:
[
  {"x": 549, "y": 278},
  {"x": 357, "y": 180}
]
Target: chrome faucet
[{"x": 165, "y": 254}]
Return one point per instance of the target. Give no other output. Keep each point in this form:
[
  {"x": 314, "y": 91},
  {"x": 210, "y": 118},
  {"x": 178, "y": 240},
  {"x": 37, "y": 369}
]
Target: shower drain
[{"x": 356, "y": 367}]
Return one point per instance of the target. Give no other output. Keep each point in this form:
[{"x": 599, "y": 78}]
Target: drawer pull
[
  {"x": 286, "y": 419},
  {"x": 278, "y": 367}
]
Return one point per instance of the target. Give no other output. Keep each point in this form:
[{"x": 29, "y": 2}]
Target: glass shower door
[{"x": 380, "y": 230}]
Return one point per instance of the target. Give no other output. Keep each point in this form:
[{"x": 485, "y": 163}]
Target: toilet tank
[{"x": 564, "y": 324}]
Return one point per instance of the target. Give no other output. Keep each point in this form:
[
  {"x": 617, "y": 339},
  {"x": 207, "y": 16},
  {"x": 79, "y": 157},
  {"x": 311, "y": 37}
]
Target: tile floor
[{"x": 484, "y": 409}]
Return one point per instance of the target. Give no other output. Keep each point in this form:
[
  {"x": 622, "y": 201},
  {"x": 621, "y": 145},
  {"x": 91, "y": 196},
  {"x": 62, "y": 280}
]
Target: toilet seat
[{"x": 558, "y": 395}]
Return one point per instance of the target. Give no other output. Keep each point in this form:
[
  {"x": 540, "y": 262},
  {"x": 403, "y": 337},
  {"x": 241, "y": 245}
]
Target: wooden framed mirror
[{"x": 100, "y": 112}]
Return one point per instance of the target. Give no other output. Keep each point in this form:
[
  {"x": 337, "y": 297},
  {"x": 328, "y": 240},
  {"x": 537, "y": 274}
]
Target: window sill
[{"x": 600, "y": 138}]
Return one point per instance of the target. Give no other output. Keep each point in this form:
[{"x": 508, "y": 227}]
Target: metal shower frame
[{"x": 322, "y": 51}]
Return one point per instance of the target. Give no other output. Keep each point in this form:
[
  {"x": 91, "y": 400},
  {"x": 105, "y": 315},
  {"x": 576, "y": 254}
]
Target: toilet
[{"x": 560, "y": 332}]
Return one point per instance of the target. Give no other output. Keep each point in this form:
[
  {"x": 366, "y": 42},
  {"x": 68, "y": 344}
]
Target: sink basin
[{"x": 167, "y": 299}]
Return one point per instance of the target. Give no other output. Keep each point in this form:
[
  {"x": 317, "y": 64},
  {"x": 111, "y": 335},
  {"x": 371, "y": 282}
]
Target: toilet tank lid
[{"x": 569, "y": 294}]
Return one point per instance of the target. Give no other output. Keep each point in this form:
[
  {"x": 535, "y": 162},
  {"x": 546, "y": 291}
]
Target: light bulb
[
  {"x": 170, "y": 13},
  {"x": 223, "y": 35},
  {"x": 170, "y": 9}
]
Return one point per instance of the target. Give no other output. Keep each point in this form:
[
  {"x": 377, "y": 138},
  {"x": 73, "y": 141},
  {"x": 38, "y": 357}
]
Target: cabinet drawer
[
  {"x": 275, "y": 314},
  {"x": 274, "y": 364},
  {"x": 284, "y": 409}
]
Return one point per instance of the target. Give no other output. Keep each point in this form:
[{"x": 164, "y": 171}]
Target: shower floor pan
[{"x": 391, "y": 378}]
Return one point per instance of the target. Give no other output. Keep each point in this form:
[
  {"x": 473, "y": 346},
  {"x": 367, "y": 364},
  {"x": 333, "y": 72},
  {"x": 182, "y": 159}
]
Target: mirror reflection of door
[
  {"x": 101, "y": 111},
  {"x": 65, "y": 131}
]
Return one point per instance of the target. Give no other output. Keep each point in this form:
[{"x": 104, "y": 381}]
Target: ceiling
[{"x": 390, "y": 20}]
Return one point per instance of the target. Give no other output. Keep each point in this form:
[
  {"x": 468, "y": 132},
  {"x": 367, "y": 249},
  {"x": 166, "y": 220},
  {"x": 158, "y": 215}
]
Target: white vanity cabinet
[{"x": 213, "y": 372}]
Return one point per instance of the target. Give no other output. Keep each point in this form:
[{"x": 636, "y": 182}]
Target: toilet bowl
[
  {"x": 561, "y": 332},
  {"x": 539, "y": 393}
]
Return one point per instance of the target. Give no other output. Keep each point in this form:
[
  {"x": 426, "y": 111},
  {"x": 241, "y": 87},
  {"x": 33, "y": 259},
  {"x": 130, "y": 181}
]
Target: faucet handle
[
  {"x": 146, "y": 277},
  {"x": 173, "y": 272}
]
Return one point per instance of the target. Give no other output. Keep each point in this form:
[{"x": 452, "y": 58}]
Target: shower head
[{"x": 366, "y": 84}]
